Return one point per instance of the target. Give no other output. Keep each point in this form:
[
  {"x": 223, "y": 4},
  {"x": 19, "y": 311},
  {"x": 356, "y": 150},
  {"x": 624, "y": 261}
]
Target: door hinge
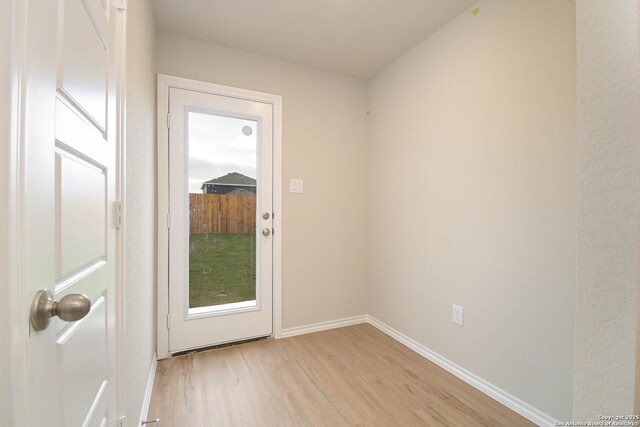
[
  {"x": 122, "y": 4},
  {"x": 168, "y": 321},
  {"x": 119, "y": 215}
]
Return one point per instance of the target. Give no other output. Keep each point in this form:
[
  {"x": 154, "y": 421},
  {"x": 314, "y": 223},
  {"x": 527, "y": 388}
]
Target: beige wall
[
  {"x": 324, "y": 143},
  {"x": 607, "y": 41},
  {"x": 461, "y": 189},
  {"x": 473, "y": 197},
  {"x": 141, "y": 204}
]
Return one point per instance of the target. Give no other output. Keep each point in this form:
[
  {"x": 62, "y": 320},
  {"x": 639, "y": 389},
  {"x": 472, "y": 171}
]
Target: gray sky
[{"x": 217, "y": 146}]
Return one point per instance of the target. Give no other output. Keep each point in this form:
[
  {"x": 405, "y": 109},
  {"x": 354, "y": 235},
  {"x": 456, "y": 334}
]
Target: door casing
[{"x": 164, "y": 83}]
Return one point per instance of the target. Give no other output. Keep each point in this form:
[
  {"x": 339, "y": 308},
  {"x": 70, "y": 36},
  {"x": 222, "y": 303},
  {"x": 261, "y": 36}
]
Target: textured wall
[
  {"x": 607, "y": 41},
  {"x": 324, "y": 143},
  {"x": 473, "y": 196},
  {"x": 141, "y": 204}
]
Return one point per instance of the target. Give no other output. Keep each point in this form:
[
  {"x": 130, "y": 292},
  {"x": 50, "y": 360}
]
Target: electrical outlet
[{"x": 458, "y": 314}]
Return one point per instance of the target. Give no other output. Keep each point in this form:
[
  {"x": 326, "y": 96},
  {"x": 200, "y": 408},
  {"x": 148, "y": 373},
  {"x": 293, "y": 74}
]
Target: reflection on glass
[{"x": 222, "y": 211}]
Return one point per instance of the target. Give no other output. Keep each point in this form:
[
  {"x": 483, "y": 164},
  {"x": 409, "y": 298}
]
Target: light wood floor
[{"x": 353, "y": 376}]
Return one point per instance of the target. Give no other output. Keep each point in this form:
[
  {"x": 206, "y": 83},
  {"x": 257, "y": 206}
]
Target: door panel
[
  {"x": 84, "y": 192},
  {"x": 83, "y": 57},
  {"x": 82, "y": 213},
  {"x": 68, "y": 187},
  {"x": 83, "y": 365},
  {"x": 220, "y": 184}
]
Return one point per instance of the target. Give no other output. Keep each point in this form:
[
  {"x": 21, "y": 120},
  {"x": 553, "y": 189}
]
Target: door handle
[
  {"x": 266, "y": 232},
  {"x": 70, "y": 308}
]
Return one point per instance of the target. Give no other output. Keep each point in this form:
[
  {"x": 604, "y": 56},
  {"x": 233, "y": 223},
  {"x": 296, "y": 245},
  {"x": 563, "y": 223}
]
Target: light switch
[
  {"x": 457, "y": 314},
  {"x": 296, "y": 186}
]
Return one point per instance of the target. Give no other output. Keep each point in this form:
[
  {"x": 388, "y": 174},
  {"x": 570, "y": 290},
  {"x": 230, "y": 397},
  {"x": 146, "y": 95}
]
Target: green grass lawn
[{"x": 222, "y": 269}]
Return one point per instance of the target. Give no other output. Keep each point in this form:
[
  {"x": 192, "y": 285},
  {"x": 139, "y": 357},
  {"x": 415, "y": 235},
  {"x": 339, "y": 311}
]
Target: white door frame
[
  {"x": 14, "y": 324},
  {"x": 16, "y": 319},
  {"x": 121, "y": 197},
  {"x": 164, "y": 83}
]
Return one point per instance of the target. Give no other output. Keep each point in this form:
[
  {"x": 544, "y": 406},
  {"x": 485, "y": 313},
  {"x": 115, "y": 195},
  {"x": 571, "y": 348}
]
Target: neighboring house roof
[
  {"x": 240, "y": 192},
  {"x": 233, "y": 178}
]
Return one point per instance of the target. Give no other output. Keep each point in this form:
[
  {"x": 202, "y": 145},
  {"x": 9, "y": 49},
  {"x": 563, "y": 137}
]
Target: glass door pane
[{"x": 222, "y": 171}]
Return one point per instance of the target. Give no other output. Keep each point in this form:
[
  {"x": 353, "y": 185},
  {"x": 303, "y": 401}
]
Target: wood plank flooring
[{"x": 353, "y": 376}]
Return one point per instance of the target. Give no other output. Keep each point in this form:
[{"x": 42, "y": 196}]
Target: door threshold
[{"x": 218, "y": 346}]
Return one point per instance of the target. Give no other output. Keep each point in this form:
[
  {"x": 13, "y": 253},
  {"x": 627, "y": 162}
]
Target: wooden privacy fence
[{"x": 219, "y": 213}]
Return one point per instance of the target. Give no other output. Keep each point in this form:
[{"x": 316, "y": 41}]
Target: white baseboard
[
  {"x": 324, "y": 326},
  {"x": 532, "y": 414},
  {"x": 144, "y": 413}
]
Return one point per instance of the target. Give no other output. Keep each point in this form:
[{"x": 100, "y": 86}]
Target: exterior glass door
[{"x": 220, "y": 246}]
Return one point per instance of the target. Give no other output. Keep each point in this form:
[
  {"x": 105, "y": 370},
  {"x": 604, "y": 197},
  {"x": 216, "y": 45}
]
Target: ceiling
[{"x": 357, "y": 38}]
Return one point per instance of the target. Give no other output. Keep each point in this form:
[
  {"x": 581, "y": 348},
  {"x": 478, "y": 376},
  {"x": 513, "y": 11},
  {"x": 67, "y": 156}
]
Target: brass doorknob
[{"x": 70, "y": 308}]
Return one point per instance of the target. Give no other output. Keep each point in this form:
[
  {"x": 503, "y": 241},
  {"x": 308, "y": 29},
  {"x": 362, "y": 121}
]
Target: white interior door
[
  {"x": 66, "y": 189},
  {"x": 221, "y": 219}
]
